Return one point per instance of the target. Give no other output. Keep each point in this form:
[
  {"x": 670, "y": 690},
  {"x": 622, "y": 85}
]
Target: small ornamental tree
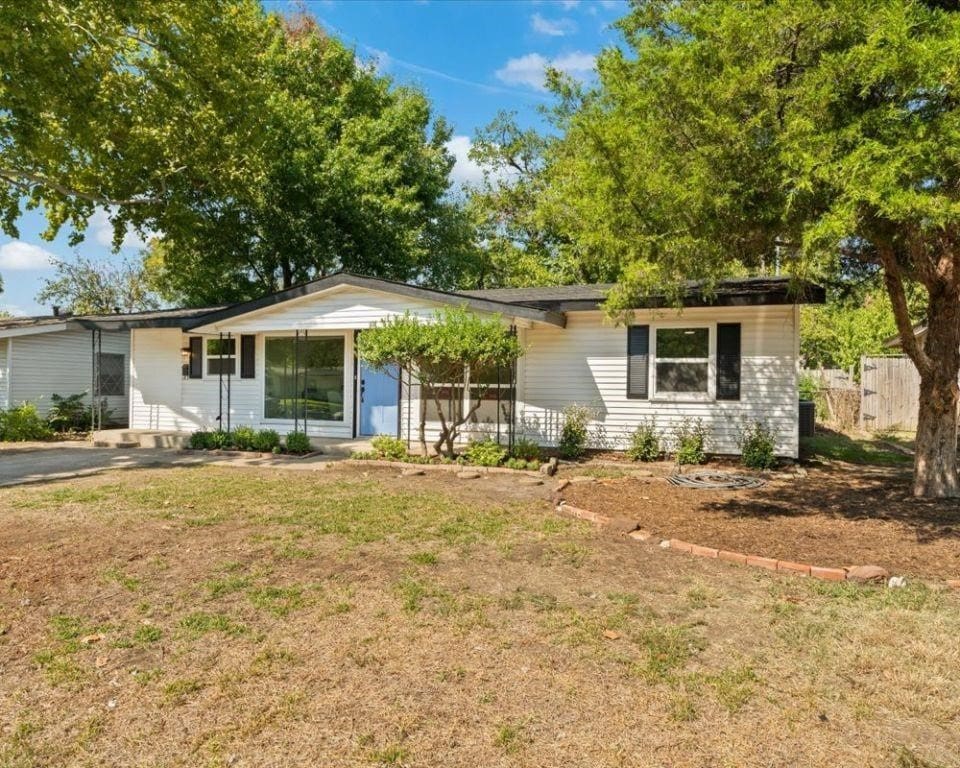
[{"x": 438, "y": 354}]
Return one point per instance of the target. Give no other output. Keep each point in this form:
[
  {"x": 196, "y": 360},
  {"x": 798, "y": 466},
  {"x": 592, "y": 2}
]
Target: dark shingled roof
[
  {"x": 734, "y": 292},
  {"x": 160, "y": 318},
  {"x": 545, "y": 304}
]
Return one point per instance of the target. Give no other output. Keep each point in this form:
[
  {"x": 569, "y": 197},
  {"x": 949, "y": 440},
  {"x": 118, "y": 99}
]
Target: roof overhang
[
  {"x": 31, "y": 330},
  {"x": 516, "y": 311}
]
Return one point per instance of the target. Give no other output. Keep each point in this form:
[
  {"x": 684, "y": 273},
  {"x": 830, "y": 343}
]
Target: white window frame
[
  {"x": 207, "y": 357},
  {"x": 710, "y": 360}
]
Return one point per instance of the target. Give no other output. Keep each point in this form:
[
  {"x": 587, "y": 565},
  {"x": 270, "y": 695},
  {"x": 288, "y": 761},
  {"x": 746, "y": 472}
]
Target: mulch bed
[{"x": 837, "y": 516}]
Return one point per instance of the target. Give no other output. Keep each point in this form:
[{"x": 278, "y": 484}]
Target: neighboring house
[
  {"x": 58, "y": 354},
  {"x": 287, "y": 362}
]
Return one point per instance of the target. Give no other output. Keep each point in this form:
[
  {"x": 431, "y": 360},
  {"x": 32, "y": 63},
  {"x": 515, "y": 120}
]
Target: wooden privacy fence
[
  {"x": 889, "y": 393},
  {"x": 838, "y": 398}
]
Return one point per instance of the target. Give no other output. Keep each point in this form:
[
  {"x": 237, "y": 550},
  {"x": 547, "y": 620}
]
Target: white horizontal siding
[
  {"x": 61, "y": 363},
  {"x": 586, "y": 363},
  {"x": 163, "y": 399}
]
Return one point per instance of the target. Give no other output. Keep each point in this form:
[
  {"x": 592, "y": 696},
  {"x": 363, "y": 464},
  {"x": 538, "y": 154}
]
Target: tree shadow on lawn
[{"x": 849, "y": 493}]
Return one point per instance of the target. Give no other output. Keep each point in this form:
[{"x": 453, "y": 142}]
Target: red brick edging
[{"x": 756, "y": 561}]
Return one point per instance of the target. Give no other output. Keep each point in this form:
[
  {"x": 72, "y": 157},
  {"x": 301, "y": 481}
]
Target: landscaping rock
[
  {"x": 953, "y": 583},
  {"x": 562, "y": 484},
  {"x": 468, "y": 475},
  {"x": 867, "y": 573},
  {"x": 640, "y": 535},
  {"x": 665, "y": 544},
  {"x": 550, "y": 467},
  {"x": 413, "y": 472},
  {"x": 897, "y": 582}
]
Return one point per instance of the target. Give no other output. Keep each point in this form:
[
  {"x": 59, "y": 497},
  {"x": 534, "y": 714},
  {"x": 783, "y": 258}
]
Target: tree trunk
[
  {"x": 935, "y": 466},
  {"x": 938, "y": 362}
]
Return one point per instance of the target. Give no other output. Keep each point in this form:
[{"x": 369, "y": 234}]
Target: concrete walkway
[{"x": 44, "y": 462}]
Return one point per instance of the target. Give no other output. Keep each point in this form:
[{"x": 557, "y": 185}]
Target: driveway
[
  {"x": 41, "y": 462},
  {"x": 57, "y": 461}
]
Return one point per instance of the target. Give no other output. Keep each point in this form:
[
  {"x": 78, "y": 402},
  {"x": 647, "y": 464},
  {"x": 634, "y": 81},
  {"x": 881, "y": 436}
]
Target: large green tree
[
  {"x": 786, "y": 134},
  {"x": 354, "y": 173},
  {"x": 86, "y": 286},
  {"x": 142, "y": 108},
  {"x": 259, "y": 149}
]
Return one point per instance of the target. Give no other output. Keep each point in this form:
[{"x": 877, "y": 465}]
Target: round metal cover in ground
[{"x": 713, "y": 480}]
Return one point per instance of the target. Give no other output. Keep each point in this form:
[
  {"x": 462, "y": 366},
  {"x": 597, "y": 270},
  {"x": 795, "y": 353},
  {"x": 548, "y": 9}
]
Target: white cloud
[
  {"x": 552, "y": 27},
  {"x": 102, "y": 231},
  {"x": 569, "y": 4},
  {"x": 529, "y": 69},
  {"x": 465, "y": 170},
  {"x": 20, "y": 256},
  {"x": 12, "y": 309}
]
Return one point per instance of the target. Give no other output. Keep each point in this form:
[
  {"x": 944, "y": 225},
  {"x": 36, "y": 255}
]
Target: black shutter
[
  {"x": 728, "y": 361},
  {"x": 248, "y": 359},
  {"x": 196, "y": 357},
  {"x": 638, "y": 361}
]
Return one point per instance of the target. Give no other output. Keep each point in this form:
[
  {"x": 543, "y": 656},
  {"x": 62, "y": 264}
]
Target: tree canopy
[
  {"x": 758, "y": 136},
  {"x": 85, "y": 286},
  {"x": 259, "y": 149}
]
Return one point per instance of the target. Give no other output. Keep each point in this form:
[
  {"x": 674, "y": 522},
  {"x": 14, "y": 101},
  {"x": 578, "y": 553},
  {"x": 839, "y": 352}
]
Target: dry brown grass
[{"x": 213, "y": 617}]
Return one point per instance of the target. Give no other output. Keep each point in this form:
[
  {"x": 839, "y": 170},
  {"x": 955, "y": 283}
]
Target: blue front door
[{"x": 379, "y": 402}]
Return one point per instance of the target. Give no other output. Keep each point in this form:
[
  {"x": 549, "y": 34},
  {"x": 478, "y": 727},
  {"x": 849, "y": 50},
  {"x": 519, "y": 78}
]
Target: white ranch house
[{"x": 287, "y": 362}]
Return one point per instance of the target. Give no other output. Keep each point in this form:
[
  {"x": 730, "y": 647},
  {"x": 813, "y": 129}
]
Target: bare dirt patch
[
  {"x": 836, "y": 516},
  {"x": 210, "y": 616}
]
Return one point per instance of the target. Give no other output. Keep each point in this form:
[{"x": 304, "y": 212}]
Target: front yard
[{"x": 214, "y": 616}]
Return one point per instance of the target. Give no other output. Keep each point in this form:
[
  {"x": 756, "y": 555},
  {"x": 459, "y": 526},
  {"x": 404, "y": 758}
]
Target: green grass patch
[
  {"x": 225, "y": 585},
  {"x": 178, "y": 691},
  {"x": 117, "y": 576},
  {"x": 840, "y": 447},
  {"x": 201, "y": 623},
  {"x": 280, "y": 601}
]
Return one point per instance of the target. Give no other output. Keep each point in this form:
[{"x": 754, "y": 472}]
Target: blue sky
[{"x": 472, "y": 57}]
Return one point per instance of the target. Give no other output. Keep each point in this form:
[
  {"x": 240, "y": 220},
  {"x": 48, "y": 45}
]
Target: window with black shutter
[
  {"x": 248, "y": 357},
  {"x": 728, "y": 361},
  {"x": 638, "y": 361},
  {"x": 221, "y": 356}
]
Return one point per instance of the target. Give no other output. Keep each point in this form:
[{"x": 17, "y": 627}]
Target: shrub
[
  {"x": 644, "y": 443},
  {"x": 525, "y": 449},
  {"x": 523, "y": 464},
  {"x": 757, "y": 444},
  {"x": 689, "y": 438},
  {"x": 68, "y": 414},
  {"x": 200, "y": 440},
  {"x": 387, "y": 447},
  {"x": 266, "y": 440},
  {"x": 573, "y": 435},
  {"x": 244, "y": 438},
  {"x": 485, "y": 453},
  {"x": 220, "y": 439},
  {"x": 23, "y": 423},
  {"x": 298, "y": 442}
]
